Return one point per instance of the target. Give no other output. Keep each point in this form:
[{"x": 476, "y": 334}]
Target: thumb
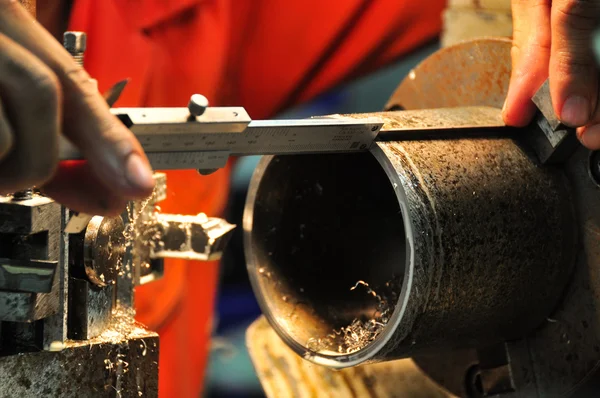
[{"x": 573, "y": 73}]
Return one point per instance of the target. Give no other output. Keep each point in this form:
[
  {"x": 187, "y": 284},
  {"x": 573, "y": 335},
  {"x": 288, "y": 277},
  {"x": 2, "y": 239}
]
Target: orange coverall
[{"x": 264, "y": 55}]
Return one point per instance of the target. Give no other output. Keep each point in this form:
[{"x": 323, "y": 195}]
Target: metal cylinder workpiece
[{"x": 414, "y": 246}]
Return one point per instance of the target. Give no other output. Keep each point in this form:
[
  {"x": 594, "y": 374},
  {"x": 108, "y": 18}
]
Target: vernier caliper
[{"x": 202, "y": 137}]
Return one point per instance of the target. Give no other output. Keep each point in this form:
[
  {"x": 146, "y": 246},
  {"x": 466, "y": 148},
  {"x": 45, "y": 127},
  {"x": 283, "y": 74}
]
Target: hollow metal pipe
[{"x": 462, "y": 243}]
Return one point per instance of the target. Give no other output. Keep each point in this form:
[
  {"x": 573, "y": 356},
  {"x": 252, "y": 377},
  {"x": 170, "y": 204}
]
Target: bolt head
[
  {"x": 198, "y": 104},
  {"x": 75, "y": 42},
  {"x": 25, "y": 194}
]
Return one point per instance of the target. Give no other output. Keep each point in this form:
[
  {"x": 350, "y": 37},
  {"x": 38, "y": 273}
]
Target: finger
[
  {"x": 33, "y": 114},
  {"x": 113, "y": 152},
  {"x": 590, "y": 135},
  {"x": 77, "y": 187},
  {"x": 530, "y": 54},
  {"x": 6, "y": 134},
  {"x": 573, "y": 73}
]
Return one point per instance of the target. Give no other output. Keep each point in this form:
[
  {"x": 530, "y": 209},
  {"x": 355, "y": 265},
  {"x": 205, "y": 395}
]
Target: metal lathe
[{"x": 429, "y": 231}]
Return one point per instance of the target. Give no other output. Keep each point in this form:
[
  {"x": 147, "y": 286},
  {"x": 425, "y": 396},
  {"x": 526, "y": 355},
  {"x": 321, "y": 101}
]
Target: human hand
[
  {"x": 43, "y": 94},
  {"x": 554, "y": 39}
]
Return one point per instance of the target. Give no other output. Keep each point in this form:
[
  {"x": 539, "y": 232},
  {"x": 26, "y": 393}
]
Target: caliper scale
[{"x": 173, "y": 138}]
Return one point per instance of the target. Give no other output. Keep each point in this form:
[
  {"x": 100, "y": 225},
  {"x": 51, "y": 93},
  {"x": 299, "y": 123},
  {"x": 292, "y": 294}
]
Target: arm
[{"x": 43, "y": 94}]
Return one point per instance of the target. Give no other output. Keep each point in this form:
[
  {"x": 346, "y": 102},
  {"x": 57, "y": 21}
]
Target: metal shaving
[
  {"x": 122, "y": 328},
  {"x": 360, "y": 332},
  {"x": 144, "y": 229}
]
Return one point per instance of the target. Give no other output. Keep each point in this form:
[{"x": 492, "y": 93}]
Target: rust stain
[{"x": 473, "y": 73}]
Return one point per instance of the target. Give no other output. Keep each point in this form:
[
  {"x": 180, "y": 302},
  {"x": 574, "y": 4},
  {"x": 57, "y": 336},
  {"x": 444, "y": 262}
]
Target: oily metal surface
[
  {"x": 473, "y": 73},
  {"x": 123, "y": 362}
]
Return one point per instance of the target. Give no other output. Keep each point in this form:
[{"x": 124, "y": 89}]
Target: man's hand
[
  {"x": 43, "y": 94},
  {"x": 554, "y": 39}
]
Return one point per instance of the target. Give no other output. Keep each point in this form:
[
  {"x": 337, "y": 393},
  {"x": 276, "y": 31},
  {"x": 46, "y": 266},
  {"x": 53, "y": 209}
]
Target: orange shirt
[{"x": 264, "y": 55}]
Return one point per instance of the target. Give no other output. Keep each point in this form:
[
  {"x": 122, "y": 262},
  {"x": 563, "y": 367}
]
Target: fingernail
[
  {"x": 138, "y": 173},
  {"x": 575, "y": 111},
  {"x": 590, "y": 137}
]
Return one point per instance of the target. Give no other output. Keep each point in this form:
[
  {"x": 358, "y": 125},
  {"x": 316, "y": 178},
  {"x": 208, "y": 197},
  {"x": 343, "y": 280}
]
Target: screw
[
  {"x": 197, "y": 105},
  {"x": 75, "y": 43},
  {"x": 25, "y": 194}
]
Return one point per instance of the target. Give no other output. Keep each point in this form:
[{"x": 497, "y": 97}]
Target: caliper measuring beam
[{"x": 174, "y": 138}]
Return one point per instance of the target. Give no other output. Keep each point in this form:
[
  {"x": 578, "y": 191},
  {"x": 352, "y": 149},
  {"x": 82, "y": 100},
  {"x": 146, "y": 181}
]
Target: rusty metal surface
[
  {"x": 473, "y": 73},
  {"x": 30, "y": 5},
  {"x": 283, "y": 374},
  {"x": 451, "y": 225}
]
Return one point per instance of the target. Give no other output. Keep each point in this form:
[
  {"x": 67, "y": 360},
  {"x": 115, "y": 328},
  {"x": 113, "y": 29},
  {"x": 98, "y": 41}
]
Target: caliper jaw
[{"x": 552, "y": 141}]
